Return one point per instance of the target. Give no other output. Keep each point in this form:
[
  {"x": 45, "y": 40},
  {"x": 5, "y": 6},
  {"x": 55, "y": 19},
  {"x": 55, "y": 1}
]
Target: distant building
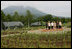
[{"x": 11, "y": 25}]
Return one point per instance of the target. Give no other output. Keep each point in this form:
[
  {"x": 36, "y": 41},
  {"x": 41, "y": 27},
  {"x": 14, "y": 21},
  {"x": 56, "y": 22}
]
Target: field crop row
[{"x": 29, "y": 40}]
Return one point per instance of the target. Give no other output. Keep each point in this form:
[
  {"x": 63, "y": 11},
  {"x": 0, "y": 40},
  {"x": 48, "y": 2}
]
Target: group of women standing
[{"x": 53, "y": 25}]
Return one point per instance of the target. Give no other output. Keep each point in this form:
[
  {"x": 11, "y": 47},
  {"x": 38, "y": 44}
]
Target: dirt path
[
  {"x": 51, "y": 31},
  {"x": 43, "y": 31}
]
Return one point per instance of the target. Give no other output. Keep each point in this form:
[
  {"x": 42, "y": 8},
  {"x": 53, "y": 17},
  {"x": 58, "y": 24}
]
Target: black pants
[
  {"x": 57, "y": 27},
  {"x": 60, "y": 26},
  {"x": 49, "y": 27},
  {"x": 52, "y": 27}
]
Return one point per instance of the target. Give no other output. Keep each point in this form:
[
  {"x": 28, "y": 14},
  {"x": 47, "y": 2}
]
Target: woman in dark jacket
[{"x": 57, "y": 24}]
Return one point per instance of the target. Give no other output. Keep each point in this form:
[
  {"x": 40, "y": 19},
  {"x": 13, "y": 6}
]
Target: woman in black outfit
[{"x": 57, "y": 24}]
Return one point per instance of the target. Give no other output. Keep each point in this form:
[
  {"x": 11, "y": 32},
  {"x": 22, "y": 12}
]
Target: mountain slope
[{"x": 22, "y": 10}]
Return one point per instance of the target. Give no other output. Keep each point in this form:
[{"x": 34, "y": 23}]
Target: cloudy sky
[{"x": 58, "y": 8}]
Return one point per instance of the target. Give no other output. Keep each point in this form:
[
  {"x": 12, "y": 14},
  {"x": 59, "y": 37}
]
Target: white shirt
[
  {"x": 60, "y": 23},
  {"x": 52, "y": 24},
  {"x": 48, "y": 24}
]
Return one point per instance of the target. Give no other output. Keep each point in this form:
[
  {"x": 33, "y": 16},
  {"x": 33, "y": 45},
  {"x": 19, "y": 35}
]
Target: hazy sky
[{"x": 58, "y": 8}]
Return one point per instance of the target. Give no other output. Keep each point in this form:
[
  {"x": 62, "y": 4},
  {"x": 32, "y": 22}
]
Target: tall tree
[
  {"x": 3, "y": 17},
  {"x": 8, "y": 17},
  {"x": 63, "y": 20},
  {"x": 56, "y": 19},
  {"x": 21, "y": 18},
  {"x": 29, "y": 18},
  {"x": 15, "y": 16},
  {"x": 47, "y": 17}
]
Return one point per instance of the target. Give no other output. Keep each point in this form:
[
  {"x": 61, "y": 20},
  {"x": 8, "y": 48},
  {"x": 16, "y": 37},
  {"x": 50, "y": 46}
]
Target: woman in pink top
[{"x": 54, "y": 24}]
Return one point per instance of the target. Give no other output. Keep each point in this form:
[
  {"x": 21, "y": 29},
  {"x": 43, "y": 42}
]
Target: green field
[{"x": 37, "y": 41}]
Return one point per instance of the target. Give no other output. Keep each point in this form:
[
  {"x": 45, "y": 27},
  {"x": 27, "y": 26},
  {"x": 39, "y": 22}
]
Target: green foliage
[
  {"x": 30, "y": 18},
  {"x": 21, "y": 18},
  {"x": 56, "y": 19},
  {"x": 65, "y": 20},
  {"x": 67, "y": 24},
  {"x": 3, "y": 17},
  {"x": 9, "y": 17},
  {"x": 15, "y": 16},
  {"x": 47, "y": 18}
]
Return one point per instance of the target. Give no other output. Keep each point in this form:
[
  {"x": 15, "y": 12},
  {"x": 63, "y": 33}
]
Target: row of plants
[{"x": 29, "y": 40}]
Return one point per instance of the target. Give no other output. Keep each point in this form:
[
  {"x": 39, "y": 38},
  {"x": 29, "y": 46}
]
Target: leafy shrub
[{"x": 67, "y": 24}]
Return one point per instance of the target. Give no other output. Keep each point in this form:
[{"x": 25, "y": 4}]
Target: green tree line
[{"x": 30, "y": 18}]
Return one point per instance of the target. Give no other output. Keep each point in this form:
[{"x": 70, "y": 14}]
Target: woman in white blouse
[{"x": 60, "y": 24}]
